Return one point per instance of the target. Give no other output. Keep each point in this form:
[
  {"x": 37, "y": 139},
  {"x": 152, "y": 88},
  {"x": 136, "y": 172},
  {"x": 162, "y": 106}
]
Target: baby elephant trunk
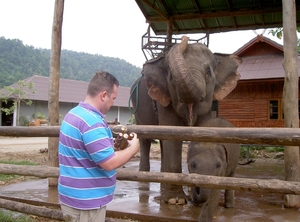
[{"x": 200, "y": 195}]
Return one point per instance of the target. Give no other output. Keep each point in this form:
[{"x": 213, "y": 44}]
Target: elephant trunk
[
  {"x": 200, "y": 195},
  {"x": 187, "y": 90}
]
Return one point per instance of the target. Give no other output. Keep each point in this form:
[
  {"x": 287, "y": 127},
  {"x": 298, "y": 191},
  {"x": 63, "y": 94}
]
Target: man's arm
[{"x": 122, "y": 156}]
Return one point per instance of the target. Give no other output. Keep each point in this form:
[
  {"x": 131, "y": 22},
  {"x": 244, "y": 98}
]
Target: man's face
[{"x": 109, "y": 100}]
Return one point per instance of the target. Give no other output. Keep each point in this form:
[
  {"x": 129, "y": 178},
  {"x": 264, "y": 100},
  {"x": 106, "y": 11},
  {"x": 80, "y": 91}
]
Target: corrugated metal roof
[
  {"x": 206, "y": 16},
  {"x": 267, "y": 66},
  {"x": 71, "y": 91},
  {"x": 262, "y": 67}
]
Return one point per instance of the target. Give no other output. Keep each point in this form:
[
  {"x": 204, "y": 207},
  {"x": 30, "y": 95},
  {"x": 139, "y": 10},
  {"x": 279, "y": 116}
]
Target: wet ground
[{"x": 139, "y": 201}]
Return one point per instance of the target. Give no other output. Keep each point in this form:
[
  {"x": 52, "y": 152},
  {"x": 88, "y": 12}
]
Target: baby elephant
[{"x": 216, "y": 159}]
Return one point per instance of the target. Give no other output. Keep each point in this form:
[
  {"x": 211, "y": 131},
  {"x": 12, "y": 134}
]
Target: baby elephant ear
[
  {"x": 156, "y": 80},
  {"x": 226, "y": 74},
  {"x": 224, "y": 153}
]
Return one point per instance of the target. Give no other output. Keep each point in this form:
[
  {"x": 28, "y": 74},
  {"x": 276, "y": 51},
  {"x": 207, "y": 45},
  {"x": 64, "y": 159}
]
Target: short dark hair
[{"x": 102, "y": 81}]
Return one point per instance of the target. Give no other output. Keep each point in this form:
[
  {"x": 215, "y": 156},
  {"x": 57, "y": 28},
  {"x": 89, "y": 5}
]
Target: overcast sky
[{"x": 110, "y": 28}]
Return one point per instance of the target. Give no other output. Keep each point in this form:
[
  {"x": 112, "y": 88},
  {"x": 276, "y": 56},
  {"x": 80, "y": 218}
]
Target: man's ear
[{"x": 102, "y": 95}]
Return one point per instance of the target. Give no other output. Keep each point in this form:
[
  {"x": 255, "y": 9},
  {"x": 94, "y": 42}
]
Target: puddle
[{"x": 140, "y": 200}]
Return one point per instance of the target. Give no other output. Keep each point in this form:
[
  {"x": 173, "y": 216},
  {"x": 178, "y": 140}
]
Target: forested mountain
[{"x": 19, "y": 61}]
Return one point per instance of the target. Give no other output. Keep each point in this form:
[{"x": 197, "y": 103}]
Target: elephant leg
[
  {"x": 229, "y": 198},
  {"x": 145, "y": 145},
  {"x": 229, "y": 194},
  {"x": 209, "y": 208},
  {"x": 171, "y": 156},
  {"x": 171, "y": 162}
]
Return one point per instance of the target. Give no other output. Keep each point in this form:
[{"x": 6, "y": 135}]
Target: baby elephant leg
[
  {"x": 209, "y": 208},
  {"x": 229, "y": 198}
]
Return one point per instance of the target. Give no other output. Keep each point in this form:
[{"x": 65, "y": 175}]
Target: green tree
[
  {"x": 278, "y": 32},
  {"x": 17, "y": 93},
  {"x": 19, "y": 61}
]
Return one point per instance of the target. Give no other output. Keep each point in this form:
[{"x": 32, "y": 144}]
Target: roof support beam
[
  {"x": 215, "y": 14},
  {"x": 161, "y": 13},
  {"x": 201, "y": 21},
  {"x": 230, "y": 9}
]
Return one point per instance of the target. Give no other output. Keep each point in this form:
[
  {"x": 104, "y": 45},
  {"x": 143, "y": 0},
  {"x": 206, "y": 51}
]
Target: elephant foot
[
  {"x": 229, "y": 204},
  {"x": 229, "y": 199},
  {"x": 177, "y": 201},
  {"x": 173, "y": 194}
]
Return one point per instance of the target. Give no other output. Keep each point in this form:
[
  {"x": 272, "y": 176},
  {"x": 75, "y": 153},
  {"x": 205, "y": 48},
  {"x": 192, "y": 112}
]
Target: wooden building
[
  {"x": 71, "y": 92},
  {"x": 257, "y": 99}
]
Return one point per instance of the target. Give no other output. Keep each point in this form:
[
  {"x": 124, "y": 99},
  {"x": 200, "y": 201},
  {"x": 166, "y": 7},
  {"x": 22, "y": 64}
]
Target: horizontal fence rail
[
  {"x": 233, "y": 183},
  {"x": 270, "y": 136}
]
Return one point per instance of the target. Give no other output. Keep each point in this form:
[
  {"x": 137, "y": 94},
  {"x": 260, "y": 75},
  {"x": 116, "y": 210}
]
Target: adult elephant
[{"x": 178, "y": 89}]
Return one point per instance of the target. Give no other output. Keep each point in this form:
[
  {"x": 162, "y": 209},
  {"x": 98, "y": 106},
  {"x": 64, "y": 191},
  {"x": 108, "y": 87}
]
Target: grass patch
[
  {"x": 274, "y": 149},
  {"x": 9, "y": 177},
  {"x": 23, "y": 162},
  {"x": 8, "y": 216},
  {"x": 243, "y": 152},
  {"x": 254, "y": 148}
]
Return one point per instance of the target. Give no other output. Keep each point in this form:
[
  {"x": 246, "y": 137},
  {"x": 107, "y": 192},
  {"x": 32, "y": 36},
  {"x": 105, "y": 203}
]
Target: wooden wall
[{"x": 248, "y": 104}]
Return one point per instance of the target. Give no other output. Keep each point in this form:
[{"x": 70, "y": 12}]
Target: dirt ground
[{"x": 35, "y": 150}]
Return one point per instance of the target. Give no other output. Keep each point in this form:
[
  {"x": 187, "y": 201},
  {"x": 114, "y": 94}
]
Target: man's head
[
  {"x": 102, "y": 91},
  {"x": 101, "y": 81}
]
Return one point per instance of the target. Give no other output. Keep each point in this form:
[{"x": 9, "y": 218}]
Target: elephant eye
[
  {"x": 218, "y": 165},
  {"x": 193, "y": 165},
  {"x": 207, "y": 74}
]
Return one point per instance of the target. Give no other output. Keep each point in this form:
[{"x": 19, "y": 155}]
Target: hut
[{"x": 257, "y": 99}]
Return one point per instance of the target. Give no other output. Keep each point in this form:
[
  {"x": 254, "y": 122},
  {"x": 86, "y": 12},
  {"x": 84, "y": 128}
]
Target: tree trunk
[
  {"x": 290, "y": 96},
  {"x": 53, "y": 103},
  {"x": 18, "y": 111}
]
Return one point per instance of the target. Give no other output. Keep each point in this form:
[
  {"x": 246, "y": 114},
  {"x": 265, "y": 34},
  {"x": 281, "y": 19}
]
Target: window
[
  {"x": 215, "y": 108},
  {"x": 274, "y": 109}
]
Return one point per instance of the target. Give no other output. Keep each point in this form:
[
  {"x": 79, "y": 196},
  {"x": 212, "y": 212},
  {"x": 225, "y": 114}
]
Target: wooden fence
[{"x": 271, "y": 136}]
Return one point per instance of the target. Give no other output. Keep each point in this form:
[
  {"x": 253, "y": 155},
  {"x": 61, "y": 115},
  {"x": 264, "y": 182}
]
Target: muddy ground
[{"x": 35, "y": 150}]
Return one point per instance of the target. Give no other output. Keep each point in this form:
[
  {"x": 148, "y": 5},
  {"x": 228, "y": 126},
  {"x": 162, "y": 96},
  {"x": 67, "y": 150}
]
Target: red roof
[
  {"x": 71, "y": 91},
  {"x": 262, "y": 59}
]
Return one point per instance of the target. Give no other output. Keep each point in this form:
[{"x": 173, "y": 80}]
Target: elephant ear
[
  {"x": 226, "y": 74},
  {"x": 224, "y": 153},
  {"x": 156, "y": 80}
]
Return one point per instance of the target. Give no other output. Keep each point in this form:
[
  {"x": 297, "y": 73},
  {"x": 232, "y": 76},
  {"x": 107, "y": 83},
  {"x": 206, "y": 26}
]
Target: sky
[{"x": 110, "y": 28}]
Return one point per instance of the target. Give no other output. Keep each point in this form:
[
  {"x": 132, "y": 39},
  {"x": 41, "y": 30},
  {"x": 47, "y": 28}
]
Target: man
[{"x": 87, "y": 160}]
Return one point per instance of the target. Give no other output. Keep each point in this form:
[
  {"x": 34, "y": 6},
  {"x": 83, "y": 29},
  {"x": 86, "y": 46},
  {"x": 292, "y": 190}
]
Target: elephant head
[
  {"x": 206, "y": 159},
  {"x": 189, "y": 77}
]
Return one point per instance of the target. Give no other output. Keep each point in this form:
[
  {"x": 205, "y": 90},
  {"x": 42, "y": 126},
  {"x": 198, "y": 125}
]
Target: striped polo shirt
[{"x": 85, "y": 141}]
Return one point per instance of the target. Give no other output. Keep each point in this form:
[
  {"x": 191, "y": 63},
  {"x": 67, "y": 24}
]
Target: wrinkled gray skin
[
  {"x": 182, "y": 84},
  {"x": 216, "y": 159}
]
